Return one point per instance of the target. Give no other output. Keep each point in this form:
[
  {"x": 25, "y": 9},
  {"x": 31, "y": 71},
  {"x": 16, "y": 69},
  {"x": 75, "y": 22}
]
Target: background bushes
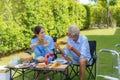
[
  {"x": 99, "y": 16},
  {"x": 115, "y": 13},
  {"x": 18, "y": 18}
]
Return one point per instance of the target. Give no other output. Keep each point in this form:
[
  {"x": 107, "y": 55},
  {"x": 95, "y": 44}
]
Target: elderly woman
[{"x": 78, "y": 47}]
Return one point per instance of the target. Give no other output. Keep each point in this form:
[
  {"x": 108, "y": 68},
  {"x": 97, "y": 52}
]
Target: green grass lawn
[{"x": 106, "y": 38}]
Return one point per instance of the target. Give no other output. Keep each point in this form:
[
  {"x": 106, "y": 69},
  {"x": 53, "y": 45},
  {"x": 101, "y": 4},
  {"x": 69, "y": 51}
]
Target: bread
[
  {"x": 41, "y": 59},
  {"x": 40, "y": 42},
  {"x": 55, "y": 65},
  {"x": 26, "y": 58},
  {"x": 61, "y": 42},
  {"x": 41, "y": 65}
]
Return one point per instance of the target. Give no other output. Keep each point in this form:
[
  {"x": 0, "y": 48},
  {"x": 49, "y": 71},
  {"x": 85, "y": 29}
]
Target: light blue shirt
[
  {"x": 39, "y": 50},
  {"x": 82, "y": 46}
]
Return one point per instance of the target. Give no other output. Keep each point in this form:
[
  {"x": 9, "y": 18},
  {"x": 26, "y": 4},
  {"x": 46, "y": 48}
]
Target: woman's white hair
[{"x": 74, "y": 30}]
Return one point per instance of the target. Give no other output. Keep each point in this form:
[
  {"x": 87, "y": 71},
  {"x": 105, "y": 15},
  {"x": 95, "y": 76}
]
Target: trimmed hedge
[{"x": 18, "y": 18}]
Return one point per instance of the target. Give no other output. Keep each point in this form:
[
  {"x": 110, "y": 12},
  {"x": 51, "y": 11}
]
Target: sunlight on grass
[
  {"x": 7, "y": 59},
  {"x": 96, "y": 31}
]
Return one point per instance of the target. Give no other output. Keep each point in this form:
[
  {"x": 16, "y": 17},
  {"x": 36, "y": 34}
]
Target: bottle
[
  {"x": 46, "y": 59},
  {"x": 51, "y": 56}
]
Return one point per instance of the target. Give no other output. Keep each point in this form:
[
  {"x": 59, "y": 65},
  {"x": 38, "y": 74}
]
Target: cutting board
[{"x": 61, "y": 67}]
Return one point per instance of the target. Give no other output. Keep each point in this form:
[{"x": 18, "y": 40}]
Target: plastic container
[
  {"x": 4, "y": 73},
  {"x": 46, "y": 59},
  {"x": 51, "y": 56}
]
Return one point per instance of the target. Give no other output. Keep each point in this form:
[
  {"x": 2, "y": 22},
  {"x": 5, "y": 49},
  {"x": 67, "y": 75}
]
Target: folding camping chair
[{"x": 91, "y": 65}]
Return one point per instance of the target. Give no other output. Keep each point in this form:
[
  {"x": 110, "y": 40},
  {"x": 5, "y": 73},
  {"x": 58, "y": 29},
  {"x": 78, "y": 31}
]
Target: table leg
[
  {"x": 11, "y": 75},
  {"x": 67, "y": 74},
  {"x": 53, "y": 75},
  {"x": 23, "y": 74},
  {"x": 61, "y": 75}
]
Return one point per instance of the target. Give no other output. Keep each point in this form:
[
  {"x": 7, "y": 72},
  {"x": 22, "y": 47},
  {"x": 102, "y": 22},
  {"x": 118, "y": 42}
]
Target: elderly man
[{"x": 78, "y": 47}]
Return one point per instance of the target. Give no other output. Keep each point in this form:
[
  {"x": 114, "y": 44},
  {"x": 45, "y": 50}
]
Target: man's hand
[
  {"x": 68, "y": 59},
  {"x": 57, "y": 46},
  {"x": 69, "y": 46}
]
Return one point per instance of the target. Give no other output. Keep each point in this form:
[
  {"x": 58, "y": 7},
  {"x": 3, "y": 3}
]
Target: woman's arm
[{"x": 46, "y": 43}]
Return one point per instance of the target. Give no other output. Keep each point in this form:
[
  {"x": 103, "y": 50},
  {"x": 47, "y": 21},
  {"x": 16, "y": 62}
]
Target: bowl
[{"x": 26, "y": 58}]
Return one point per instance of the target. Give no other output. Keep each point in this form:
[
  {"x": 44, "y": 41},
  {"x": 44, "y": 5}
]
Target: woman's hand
[
  {"x": 32, "y": 46},
  {"x": 46, "y": 43}
]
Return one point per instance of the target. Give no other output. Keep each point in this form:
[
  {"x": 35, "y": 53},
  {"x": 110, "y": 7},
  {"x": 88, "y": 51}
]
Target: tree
[
  {"x": 111, "y": 2},
  {"x": 106, "y": 4}
]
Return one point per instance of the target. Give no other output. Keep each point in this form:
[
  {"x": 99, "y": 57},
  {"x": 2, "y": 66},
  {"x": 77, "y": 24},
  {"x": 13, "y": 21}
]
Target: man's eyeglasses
[
  {"x": 74, "y": 37},
  {"x": 70, "y": 35}
]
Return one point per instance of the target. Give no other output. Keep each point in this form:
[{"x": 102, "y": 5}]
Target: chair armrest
[
  {"x": 29, "y": 51},
  {"x": 92, "y": 60}
]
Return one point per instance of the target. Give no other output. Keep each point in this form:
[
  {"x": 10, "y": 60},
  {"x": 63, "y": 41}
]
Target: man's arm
[
  {"x": 58, "y": 47},
  {"x": 70, "y": 47}
]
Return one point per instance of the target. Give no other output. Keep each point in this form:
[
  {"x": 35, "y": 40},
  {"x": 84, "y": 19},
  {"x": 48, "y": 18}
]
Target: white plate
[
  {"x": 61, "y": 60},
  {"x": 21, "y": 66}
]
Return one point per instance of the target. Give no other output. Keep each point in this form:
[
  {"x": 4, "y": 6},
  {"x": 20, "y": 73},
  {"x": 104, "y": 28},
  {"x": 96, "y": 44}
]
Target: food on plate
[
  {"x": 22, "y": 66},
  {"x": 61, "y": 42},
  {"x": 41, "y": 59},
  {"x": 40, "y": 42},
  {"x": 56, "y": 64},
  {"x": 41, "y": 65},
  {"x": 61, "y": 60},
  {"x": 11, "y": 64},
  {"x": 25, "y": 64},
  {"x": 26, "y": 58}
]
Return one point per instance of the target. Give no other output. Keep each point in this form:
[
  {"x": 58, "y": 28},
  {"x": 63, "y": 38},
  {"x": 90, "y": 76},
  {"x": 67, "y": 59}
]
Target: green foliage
[
  {"x": 87, "y": 23},
  {"x": 77, "y": 14},
  {"x": 61, "y": 17},
  {"x": 115, "y": 11},
  {"x": 99, "y": 15},
  {"x": 18, "y": 18},
  {"x": 105, "y": 2}
]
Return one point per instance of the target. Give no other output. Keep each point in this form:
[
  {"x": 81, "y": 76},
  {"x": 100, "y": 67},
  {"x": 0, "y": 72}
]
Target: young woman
[{"x": 41, "y": 43}]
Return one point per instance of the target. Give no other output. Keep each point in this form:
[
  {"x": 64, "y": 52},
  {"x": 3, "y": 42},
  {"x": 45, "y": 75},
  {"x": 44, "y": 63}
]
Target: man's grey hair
[{"x": 74, "y": 30}]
